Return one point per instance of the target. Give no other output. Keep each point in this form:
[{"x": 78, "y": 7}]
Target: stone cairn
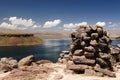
[{"x": 90, "y": 52}]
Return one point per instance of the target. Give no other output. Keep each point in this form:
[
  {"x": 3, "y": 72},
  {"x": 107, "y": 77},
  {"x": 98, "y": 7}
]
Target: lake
[{"x": 50, "y": 50}]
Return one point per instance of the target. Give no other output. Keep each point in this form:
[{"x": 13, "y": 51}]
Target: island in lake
[{"x": 19, "y": 39}]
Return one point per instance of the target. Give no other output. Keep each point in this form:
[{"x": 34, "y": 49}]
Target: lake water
[{"x": 50, "y": 50}]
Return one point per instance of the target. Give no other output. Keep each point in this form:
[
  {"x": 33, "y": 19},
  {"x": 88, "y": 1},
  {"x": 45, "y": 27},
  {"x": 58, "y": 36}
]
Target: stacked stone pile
[{"x": 90, "y": 52}]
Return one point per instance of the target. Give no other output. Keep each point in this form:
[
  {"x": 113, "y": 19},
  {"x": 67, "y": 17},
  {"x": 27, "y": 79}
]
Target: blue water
[{"x": 50, "y": 50}]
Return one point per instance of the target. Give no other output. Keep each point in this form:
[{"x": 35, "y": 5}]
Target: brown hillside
[{"x": 19, "y": 39}]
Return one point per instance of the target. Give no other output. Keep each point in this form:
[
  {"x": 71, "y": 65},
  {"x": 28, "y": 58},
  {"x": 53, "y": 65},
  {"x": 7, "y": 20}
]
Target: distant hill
[
  {"x": 19, "y": 39},
  {"x": 40, "y": 34},
  {"x": 114, "y": 33},
  {"x": 52, "y": 35}
]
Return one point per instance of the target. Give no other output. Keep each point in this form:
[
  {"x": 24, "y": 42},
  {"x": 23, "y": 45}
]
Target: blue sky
[{"x": 58, "y": 15}]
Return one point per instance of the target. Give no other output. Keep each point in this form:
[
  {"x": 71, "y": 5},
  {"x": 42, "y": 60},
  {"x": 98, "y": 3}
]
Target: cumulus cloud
[
  {"x": 50, "y": 24},
  {"x": 7, "y": 26},
  {"x": 69, "y": 26},
  {"x": 101, "y": 24},
  {"x": 19, "y": 23},
  {"x": 73, "y": 26},
  {"x": 82, "y": 24}
]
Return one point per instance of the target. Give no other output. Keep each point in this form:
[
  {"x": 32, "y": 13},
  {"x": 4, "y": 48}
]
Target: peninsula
[{"x": 19, "y": 39}]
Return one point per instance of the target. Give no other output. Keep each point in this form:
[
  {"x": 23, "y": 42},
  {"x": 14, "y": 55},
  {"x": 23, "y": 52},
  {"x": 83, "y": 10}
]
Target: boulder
[
  {"x": 58, "y": 76},
  {"x": 83, "y": 43},
  {"x": 86, "y": 38},
  {"x": 93, "y": 42},
  {"x": 79, "y": 52},
  {"x": 94, "y": 35},
  {"x": 90, "y": 49},
  {"x": 8, "y": 64},
  {"x": 26, "y": 61},
  {"x": 100, "y": 31},
  {"x": 104, "y": 55},
  {"x": 78, "y": 67},
  {"x": 43, "y": 62},
  {"x": 89, "y": 54},
  {"x": 83, "y": 60},
  {"x": 101, "y": 62},
  {"x": 90, "y": 72},
  {"x": 105, "y": 71}
]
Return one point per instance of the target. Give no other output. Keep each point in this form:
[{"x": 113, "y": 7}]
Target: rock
[
  {"x": 105, "y": 33},
  {"x": 5, "y": 67},
  {"x": 101, "y": 62},
  {"x": 93, "y": 42},
  {"x": 83, "y": 34},
  {"x": 69, "y": 63},
  {"x": 72, "y": 48},
  {"x": 62, "y": 55},
  {"x": 78, "y": 67},
  {"x": 58, "y": 77},
  {"x": 89, "y": 55},
  {"x": 64, "y": 61},
  {"x": 99, "y": 74},
  {"x": 86, "y": 38},
  {"x": 114, "y": 51},
  {"x": 43, "y": 62},
  {"x": 26, "y": 61},
  {"x": 65, "y": 52},
  {"x": 90, "y": 72},
  {"x": 90, "y": 49},
  {"x": 88, "y": 29},
  {"x": 100, "y": 30},
  {"x": 94, "y": 35},
  {"x": 7, "y": 64},
  {"x": 105, "y": 71},
  {"x": 118, "y": 45},
  {"x": 13, "y": 63},
  {"x": 78, "y": 52},
  {"x": 83, "y": 43},
  {"x": 93, "y": 27},
  {"x": 83, "y": 60},
  {"x": 66, "y": 57},
  {"x": 104, "y": 55}
]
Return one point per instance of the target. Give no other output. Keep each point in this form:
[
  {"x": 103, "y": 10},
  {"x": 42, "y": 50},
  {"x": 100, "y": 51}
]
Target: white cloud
[
  {"x": 82, "y": 24},
  {"x": 7, "y": 26},
  {"x": 36, "y": 26},
  {"x": 69, "y": 26},
  {"x": 72, "y": 26},
  {"x": 101, "y": 24},
  {"x": 19, "y": 23},
  {"x": 49, "y": 24}
]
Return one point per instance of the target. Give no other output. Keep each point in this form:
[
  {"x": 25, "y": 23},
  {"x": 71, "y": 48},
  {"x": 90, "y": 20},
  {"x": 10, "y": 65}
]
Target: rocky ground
[
  {"x": 28, "y": 69},
  {"x": 49, "y": 71}
]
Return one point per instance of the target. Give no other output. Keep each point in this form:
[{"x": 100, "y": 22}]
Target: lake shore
[
  {"x": 27, "y": 69},
  {"x": 54, "y": 71}
]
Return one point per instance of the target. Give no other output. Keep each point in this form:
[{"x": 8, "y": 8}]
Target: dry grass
[{"x": 17, "y": 41}]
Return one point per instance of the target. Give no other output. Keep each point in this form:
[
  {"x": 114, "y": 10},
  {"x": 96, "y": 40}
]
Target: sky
[{"x": 58, "y": 15}]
